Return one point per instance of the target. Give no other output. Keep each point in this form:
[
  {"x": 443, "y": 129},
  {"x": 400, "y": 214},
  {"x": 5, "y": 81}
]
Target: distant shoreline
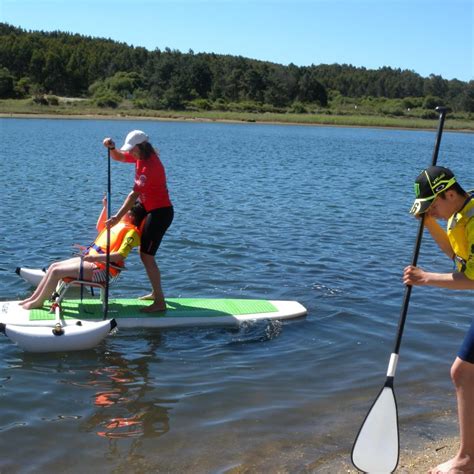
[{"x": 177, "y": 117}]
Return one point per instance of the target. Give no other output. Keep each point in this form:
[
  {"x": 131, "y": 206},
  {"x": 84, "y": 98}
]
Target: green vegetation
[
  {"x": 82, "y": 107},
  {"x": 68, "y": 74}
]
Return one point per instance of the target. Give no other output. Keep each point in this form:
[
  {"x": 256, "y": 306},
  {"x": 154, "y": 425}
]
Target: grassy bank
[{"x": 74, "y": 107}]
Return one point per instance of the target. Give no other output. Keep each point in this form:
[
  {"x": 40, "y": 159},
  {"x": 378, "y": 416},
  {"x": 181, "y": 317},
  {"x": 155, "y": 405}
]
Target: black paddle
[
  {"x": 377, "y": 445},
  {"x": 107, "y": 260}
]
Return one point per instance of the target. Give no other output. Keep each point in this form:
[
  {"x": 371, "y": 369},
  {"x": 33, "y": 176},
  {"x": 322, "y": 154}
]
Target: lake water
[{"x": 314, "y": 214}]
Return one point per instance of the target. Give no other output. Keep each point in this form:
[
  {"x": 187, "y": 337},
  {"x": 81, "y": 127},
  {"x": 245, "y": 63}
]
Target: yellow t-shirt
[
  {"x": 461, "y": 236},
  {"x": 131, "y": 240},
  {"x": 469, "y": 272}
]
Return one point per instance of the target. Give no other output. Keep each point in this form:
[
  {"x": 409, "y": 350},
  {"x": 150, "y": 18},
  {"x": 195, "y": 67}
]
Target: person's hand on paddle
[
  {"x": 109, "y": 143},
  {"x": 114, "y": 152},
  {"x": 414, "y": 276}
]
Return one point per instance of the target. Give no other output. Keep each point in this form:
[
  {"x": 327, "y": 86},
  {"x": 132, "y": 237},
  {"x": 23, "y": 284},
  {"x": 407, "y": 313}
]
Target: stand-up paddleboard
[
  {"x": 180, "y": 312},
  {"x": 79, "y": 324}
]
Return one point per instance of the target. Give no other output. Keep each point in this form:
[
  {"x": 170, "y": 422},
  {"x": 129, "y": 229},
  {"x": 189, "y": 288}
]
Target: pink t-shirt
[{"x": 150, "y": 182}]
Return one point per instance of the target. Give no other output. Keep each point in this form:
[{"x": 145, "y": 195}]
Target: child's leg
[{"x": 65, "y": 269}]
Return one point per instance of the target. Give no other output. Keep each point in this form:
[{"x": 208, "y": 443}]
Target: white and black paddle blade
[{"x": 376, "y": 447}]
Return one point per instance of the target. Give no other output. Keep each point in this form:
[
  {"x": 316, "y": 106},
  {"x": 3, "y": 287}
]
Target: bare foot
[
  {"x": 32, "y": 305},
  {"x": 457, "y": 465},
  {"x": 151, "y": 296},
  {"x": 26, "y": 300},
  {"x": 154, "y": 308}
]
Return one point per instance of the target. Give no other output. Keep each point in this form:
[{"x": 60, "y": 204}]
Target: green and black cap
[{"x": 430, "y": 183}]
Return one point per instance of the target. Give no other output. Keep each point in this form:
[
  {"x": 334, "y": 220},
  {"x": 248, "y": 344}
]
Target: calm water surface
[{"x": 315, "y": 214}]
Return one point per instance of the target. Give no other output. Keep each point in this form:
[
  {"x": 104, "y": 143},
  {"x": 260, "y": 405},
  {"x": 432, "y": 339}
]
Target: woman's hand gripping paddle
[{"x": 377, "y": 445}]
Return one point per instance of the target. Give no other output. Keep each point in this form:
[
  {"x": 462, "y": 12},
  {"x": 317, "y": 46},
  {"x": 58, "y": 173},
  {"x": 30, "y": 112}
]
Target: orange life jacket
[{"x": 117, "y": 235}]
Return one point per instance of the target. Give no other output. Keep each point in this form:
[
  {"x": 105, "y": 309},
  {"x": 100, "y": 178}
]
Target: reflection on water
[
  {"x": 124, "y": 410},
  {"x": 124, "y": 402}
]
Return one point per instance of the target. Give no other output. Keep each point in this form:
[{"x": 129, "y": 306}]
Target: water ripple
[{"x": 313, "y": 214}]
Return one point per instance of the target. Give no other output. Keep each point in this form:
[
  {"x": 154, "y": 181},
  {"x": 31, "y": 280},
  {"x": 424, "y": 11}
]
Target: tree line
[{"x": 35, "y": 63}]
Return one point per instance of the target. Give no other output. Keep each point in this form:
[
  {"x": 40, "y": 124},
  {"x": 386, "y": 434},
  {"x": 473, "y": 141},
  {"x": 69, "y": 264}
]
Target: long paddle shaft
[
  {"x": 403, "y": 315},
  {"x": 107, "y": 261},
  {"x": 377, "y": 446}
]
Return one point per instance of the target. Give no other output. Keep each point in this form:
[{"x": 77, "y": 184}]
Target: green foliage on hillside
[{"x": 110, "y": 74}]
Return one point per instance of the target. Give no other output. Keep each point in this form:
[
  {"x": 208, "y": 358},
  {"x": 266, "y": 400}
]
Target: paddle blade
[{"x": 376, "y": 447}]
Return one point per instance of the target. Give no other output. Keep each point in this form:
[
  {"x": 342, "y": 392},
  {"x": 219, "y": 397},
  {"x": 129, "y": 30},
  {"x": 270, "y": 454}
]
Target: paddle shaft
[
  {"x": 406, "y": 299},
  {"x": 107, "y": 261}
]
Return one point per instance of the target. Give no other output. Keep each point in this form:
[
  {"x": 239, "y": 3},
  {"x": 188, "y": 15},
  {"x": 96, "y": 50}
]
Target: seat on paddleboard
[{"x": 66, "y": 283}]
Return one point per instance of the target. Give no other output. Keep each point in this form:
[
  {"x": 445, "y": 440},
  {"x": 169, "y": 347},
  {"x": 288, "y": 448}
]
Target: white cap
[{"x": 135, "y": 137}]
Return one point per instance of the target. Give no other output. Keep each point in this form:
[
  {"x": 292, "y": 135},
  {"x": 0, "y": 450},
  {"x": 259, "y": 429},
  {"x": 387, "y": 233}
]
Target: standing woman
[{"x": 152, "y": 193}]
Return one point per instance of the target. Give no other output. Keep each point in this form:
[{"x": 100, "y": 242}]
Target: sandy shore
[
  {"x": 432, "y": 454},
  {"x": 412, "y": 461}
]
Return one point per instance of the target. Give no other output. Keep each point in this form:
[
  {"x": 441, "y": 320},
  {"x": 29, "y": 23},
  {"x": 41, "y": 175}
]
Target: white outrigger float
[
  {"x": 79, "y": 324},
  {"x": 60, "y": 337},
  {"x": 31, "y": 275}
]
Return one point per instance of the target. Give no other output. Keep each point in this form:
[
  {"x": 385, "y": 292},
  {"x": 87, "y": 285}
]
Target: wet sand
[
  {"x": 433, "y": 454},
  {"x": 412, "y": 461}
]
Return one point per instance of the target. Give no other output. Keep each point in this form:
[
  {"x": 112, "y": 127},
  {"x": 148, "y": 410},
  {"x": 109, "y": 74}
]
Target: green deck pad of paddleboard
[{"x": 175, "y": 308}]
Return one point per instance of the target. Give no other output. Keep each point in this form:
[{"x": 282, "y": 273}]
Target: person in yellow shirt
[
  {"x": 439, "y": 196},
  {"x": 91, "y": 266}
]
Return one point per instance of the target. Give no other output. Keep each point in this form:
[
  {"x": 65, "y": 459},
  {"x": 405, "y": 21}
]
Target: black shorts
[{"x": 156, "y": 224}]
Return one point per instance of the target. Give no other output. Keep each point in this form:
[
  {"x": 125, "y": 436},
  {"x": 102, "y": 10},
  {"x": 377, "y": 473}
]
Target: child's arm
[
  {"x": 439, "y": 235},
  {"x": 115, "y": 257},
  {"x": 100, "y": 226}
]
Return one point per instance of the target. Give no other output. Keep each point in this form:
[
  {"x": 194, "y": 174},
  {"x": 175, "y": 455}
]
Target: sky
[{"x": 425, "y": 36}]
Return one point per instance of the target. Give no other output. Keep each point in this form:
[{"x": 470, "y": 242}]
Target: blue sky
[{"x": 426, "y": 36}]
